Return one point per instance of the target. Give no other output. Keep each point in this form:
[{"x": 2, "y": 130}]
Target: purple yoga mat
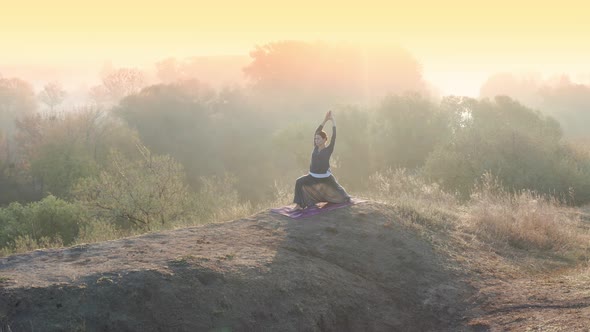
[{"x": 313, "y": 210}]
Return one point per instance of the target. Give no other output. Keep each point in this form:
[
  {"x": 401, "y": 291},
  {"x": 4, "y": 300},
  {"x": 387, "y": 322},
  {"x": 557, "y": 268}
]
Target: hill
[
  {"x": 366, "y": 267},
  {"x": 352, "y": 269}
]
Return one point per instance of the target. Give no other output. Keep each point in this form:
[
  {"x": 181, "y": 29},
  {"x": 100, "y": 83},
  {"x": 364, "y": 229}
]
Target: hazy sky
[{"x": 459, "y": 43}]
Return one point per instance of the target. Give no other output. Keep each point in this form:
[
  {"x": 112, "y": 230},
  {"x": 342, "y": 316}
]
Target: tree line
[{"x": 184, "y": 151}]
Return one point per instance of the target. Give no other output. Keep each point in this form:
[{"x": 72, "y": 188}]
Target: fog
[{"x": 103, "y": 131}]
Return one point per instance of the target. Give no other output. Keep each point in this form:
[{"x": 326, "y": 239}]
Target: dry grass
[
  {"x": 418, "y": 203},
  {"x": 397, "y": 185},
  {"x": 523, "y": 220},
  {"x": 27, "y": 243},
  {"x": 526, "y": 230},
  {"x": 100, "y": 230}
]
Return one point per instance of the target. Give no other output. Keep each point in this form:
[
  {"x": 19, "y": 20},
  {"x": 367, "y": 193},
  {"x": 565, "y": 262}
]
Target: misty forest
[{"x": 165, "y": 147}]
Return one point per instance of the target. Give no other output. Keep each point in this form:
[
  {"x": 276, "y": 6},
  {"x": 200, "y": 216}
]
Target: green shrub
[{"x": 36, "y": 224}]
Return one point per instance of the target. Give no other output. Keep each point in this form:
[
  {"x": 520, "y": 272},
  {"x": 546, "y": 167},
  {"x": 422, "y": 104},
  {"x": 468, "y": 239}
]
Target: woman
[{"x": 319, "y": 185}]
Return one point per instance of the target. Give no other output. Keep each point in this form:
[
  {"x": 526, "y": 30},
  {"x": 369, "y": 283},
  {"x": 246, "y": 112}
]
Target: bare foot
[{"x": 297, "y": 207}]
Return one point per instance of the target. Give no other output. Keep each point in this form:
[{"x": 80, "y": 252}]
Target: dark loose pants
[{"x": 310, "y": 190}]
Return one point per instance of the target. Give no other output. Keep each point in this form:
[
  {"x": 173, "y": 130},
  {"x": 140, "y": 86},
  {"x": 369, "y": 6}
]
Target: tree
[
  {"x": 141, "y": 194},
  {"x": 522, "y": 88},
  {"x": 117, "y": 84},
  {"x": 352, "y": 161},
  {"x": 56, "y": 150},
  {"x": 296, "y": 73},
  {"x": 99, "y": 95},
  {"x": 559, "y": 98},
  {"x": 52, "y": 95},
  {"x": 17, "y": 99},
  {"x": 3, "y": 156},
  {"x": 170, "y": 71},
  {"x": 520, "y": 146},
  {"x": 405, "y": 130},
  {"x": 568, "y": 103},
  {"x": 124, "y": 82},
  {"x": 177, "y": 119}
]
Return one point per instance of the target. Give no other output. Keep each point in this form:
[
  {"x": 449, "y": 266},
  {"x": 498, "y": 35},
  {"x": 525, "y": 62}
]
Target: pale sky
[{"x": 459, "y": 43}]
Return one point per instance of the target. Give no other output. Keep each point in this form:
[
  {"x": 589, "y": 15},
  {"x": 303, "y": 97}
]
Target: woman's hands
[{"x": 328, "y": 116}]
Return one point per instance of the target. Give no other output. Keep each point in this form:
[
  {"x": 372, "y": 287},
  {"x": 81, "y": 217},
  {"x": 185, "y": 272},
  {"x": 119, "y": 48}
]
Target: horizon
[
  {"x": 463, "y": 80},
  {"x": 459, "y": 43}
]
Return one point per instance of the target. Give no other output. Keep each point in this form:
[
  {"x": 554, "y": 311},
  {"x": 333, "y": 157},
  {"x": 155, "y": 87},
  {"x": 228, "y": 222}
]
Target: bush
[
  {"x": 36, "y": 224},
  {"x": 141, "y": 194}
]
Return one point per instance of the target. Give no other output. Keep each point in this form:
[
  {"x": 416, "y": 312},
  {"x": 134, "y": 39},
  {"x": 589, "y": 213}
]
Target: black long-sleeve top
[{"x": 320, "y": 160}]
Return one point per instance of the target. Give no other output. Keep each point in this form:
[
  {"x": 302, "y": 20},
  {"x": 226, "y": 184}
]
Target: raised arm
[
  {"x": 321, "y": 126},
  {"x": 333, "y": 138}
]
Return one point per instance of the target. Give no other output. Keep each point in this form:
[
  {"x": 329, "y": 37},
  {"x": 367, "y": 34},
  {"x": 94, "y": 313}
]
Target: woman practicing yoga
[{"x": 319, "y": 185}]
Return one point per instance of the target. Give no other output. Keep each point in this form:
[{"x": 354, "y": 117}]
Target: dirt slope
[{"x": 352, "y": 269}]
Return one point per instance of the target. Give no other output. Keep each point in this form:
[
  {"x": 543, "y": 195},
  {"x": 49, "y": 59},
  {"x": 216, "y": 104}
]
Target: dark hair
[{"x": 322, "y": 134}]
